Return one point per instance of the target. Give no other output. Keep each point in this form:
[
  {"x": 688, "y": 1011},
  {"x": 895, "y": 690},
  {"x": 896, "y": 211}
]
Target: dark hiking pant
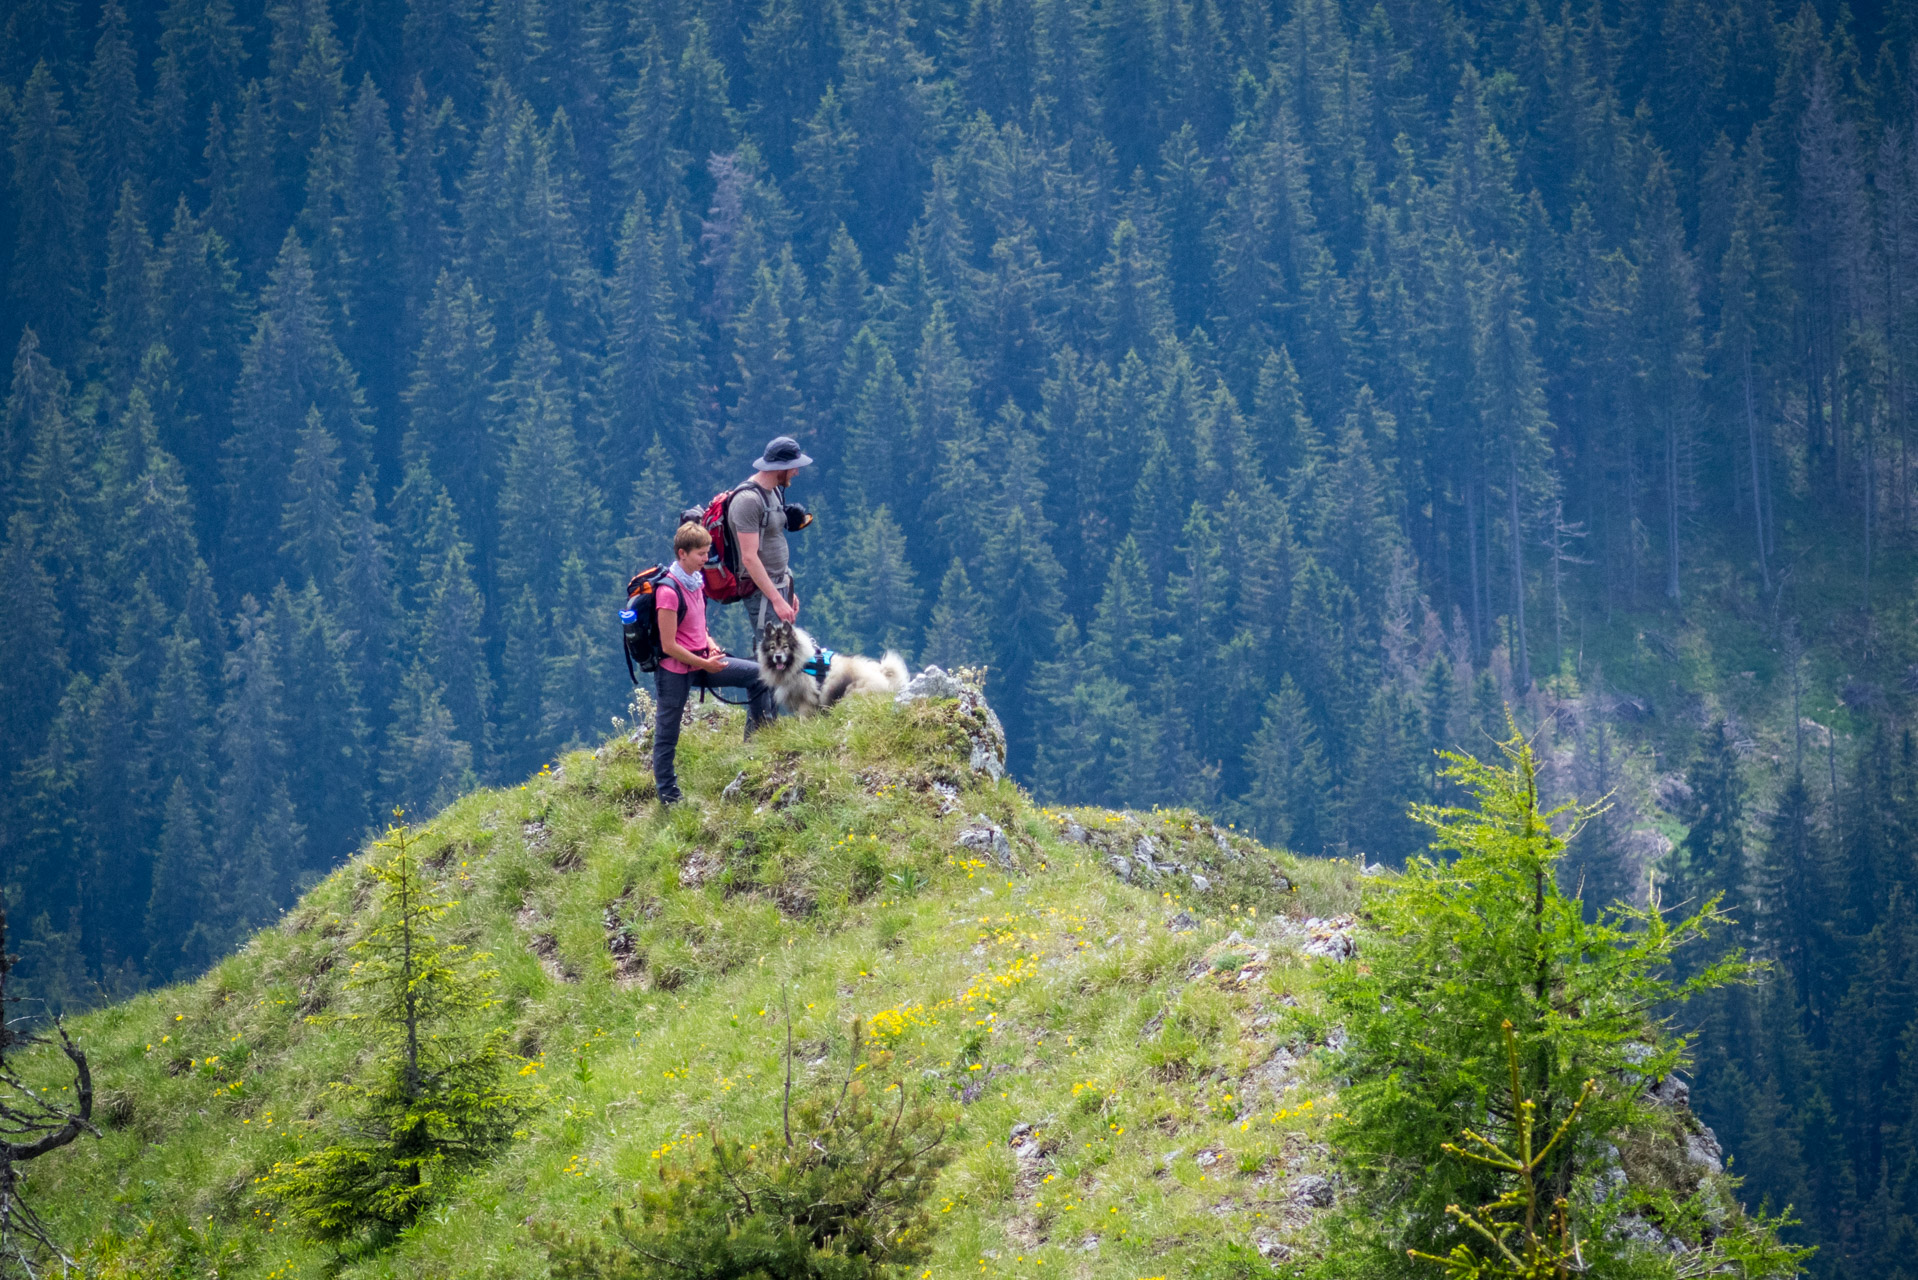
[{"x": 674, "y": 687}]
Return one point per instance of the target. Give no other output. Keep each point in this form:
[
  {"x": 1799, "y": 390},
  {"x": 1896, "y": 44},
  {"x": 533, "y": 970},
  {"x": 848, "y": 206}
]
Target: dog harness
[{"x": 820, "y": 665}]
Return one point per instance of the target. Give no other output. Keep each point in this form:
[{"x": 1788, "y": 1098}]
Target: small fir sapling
[
  {"x": 440, "y": 1097},
  {"x": 1499, "y": 1043}
]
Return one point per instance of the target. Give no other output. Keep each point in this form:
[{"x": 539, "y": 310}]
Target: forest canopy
[{"x": 1265, "y": 393}]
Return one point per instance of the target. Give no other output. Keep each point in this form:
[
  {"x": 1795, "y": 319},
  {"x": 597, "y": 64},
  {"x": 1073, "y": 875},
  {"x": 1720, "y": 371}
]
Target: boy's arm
[{"x": 669, "y": 643}]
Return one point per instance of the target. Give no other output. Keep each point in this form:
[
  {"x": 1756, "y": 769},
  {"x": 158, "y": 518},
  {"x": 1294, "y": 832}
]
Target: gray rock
[
  {"x": 1702, "y": 1149},
  {"x": 985, "y": 761},
  {"x": 948, "y": 797},
  {"x": 930, "y": 683},
  {"x": 984, "y": 836},
  {"x": 1313, "y": 1191},
  {"x": 731, "y": 791},
  {"x": 1147, "y": 850},
  {"x": 1200, "y": 883},
  {"x": 1182, "y": 923},
  {"x": 1122, "y": 868},
  {"x": 1671, "y": 1091},
  {"x": 1073, "y": 833},
  {"x": 988, "y": 754}
]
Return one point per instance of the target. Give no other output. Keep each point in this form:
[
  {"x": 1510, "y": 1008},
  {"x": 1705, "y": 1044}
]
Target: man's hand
[
  {"x": 713, "y": 662},
  {"x": 786, "y": 612}
]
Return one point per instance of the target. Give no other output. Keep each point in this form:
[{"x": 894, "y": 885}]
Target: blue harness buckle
[{"x": 821, "y": 664}]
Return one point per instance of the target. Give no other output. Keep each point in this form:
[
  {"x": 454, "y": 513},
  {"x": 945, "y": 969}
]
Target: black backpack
[{"x": 640, "y": 621}]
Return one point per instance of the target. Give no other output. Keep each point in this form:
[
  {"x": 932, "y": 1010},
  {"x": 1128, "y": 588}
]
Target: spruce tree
[
  {"x": 875, "y": 602},
  {"x": 129, "y": 313},
  {"x": 261, "y": 845},
  {"x": 793, "y": 49},
  {"x": 312, "y": 520},
  {"x": 180, "y": 733},
  {"x": 425, "y": 765},
  {"x": 451, "y": 642},
  {"x": 58, "y": 490},
  {"x": 1711, "y": 861},
  {"x": 522, "y": 684},
  {"x": 577, "y": 695},
  {"x": 113, "y": 830},
  {"x": 440, "y": 50},
  {"x": 305, "y": 82},
  {"x": 198, "y": 301},
  {"x": 365, "y": 600},
  {"x": 182, "y": 909},
  {"x": 958, "y": 634},
  {"x": 880, "y": 433},
  {"x": 454, "y": 421},
  {"x": 1286, "y": 804},
  {"x": 896, "y": 112},
  {"x": 321, "y": 711},
  {"x": 765, "y": 395},
  {"x": 430, "y": 135},
  {"x": 548, "y": 510},
  {"x": 657, "y": 501},
  {"x": 644, "y": 157},
  {"x": 291, "y": 365},
  {"x": 648, "y": 390},
  {"x": 823, "y": 159},
  {"x": 1130, "y": 295},
  {"x": 49, "y": 214}
]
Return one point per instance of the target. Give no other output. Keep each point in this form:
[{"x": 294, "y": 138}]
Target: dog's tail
[{"x": 897, "y": 673}]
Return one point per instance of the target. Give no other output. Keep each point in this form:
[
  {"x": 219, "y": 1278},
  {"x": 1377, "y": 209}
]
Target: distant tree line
[{"x": 1266, "y": 393}]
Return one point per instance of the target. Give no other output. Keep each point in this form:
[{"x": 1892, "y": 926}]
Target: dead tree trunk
[{"x": 31, "y": 1125}]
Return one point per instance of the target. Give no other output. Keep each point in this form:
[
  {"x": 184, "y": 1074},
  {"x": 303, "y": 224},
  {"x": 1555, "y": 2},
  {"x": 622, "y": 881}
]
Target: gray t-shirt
[{"x": 757, "y": 510}]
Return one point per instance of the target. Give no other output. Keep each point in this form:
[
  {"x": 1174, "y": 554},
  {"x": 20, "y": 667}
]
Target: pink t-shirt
[{"x": 692, "y": 618}]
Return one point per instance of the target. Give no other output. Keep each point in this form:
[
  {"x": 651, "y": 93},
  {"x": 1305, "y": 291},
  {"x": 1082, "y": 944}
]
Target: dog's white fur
[{"x": 785, "y": 649}]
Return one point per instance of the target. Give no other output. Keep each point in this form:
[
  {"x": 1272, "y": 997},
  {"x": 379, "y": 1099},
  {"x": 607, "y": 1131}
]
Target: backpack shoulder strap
[{"x": 734, "y": 492}]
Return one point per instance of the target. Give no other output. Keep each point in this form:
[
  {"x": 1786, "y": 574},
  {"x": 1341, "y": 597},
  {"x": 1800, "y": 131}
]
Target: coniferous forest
[{"x": 1267, "y": 391}]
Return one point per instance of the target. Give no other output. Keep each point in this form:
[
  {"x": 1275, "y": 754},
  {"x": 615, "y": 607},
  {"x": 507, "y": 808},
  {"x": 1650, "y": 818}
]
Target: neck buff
[{"x": 685, "y": 581}]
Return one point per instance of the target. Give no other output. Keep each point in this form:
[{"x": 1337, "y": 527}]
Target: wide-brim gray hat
[{"x": 782, "y": 454}]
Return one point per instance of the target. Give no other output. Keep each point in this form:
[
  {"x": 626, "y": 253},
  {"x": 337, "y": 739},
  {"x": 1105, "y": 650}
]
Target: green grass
[{"x": 642, "y": 957}]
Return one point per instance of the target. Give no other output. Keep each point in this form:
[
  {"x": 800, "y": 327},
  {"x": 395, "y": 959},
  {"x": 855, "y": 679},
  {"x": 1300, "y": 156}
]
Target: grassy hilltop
[{"x": 1138, "y": 1025}]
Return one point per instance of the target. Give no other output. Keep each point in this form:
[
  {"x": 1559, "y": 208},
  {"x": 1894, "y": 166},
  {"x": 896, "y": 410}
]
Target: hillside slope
[{"x": 1107, "y": 979}]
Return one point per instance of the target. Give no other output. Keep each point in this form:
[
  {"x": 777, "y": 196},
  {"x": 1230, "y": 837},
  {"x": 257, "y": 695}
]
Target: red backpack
[{"x": 724, "y": 582}]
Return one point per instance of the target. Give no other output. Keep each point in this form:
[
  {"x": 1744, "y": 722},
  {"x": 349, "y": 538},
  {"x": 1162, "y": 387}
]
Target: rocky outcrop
[{"x": 986, "y": 735}]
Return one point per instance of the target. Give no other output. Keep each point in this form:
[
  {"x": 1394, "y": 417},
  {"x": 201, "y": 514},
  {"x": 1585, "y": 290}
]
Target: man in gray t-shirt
[{"x": 759, "y": 518}]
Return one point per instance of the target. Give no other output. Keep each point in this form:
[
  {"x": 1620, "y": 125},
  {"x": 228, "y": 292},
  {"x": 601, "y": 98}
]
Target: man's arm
[
  {"x": 750, "y": 562},
  {"x": 669, "y": 642}
]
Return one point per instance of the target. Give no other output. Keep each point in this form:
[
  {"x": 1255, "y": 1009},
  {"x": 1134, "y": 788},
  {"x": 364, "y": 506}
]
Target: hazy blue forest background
[{"x": 1267, "y": 390}]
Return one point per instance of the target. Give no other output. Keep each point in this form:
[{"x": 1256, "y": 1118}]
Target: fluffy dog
[{"x": 785, "y": 653}]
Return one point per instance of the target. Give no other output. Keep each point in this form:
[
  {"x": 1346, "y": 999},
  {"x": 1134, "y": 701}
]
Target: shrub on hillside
[{"x": 837, "y": 1192}]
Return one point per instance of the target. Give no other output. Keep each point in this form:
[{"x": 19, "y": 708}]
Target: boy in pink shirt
[{"x": 691, "y": 659}]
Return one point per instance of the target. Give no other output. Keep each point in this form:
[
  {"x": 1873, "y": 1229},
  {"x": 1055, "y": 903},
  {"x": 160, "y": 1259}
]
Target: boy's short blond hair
[{"x": 691, "y": 537}]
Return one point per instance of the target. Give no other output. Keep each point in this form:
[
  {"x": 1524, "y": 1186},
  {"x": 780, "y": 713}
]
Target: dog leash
[{"x": 705, "y": 689}]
